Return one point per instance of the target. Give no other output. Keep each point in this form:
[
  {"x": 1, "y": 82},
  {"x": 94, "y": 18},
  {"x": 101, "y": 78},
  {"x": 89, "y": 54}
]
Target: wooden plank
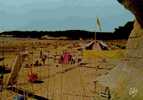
[{"x": 12, "y": 78}]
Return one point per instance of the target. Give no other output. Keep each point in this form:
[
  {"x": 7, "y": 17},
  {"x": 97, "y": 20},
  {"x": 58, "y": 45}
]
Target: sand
[{"x": 60, "y": 81}]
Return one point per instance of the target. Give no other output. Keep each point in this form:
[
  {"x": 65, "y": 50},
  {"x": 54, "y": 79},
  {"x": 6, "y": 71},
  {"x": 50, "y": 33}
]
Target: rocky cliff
[{"x": 126, "y": 81}]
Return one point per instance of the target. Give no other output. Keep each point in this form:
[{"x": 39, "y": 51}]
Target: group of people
[
  {"x": 42, "y": 61},
  {"x": 68, "y": 58},
  {"x": 65, "y": 58}
]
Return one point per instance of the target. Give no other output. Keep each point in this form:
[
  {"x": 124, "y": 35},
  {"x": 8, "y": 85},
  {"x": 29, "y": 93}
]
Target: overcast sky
[{"x": 61, "y": 14}]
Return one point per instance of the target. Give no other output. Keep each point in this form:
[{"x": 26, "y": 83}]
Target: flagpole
[
  {"x": 95, "y": 31},
  {"x": 95, "y": 35}
]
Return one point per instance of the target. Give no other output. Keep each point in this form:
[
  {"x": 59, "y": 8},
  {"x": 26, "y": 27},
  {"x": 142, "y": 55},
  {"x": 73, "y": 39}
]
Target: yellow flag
[{"x": 98, "y": 24}]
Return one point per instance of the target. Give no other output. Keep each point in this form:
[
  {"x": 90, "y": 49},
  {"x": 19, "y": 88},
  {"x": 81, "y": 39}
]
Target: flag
[{"x": 98, "y": 23}]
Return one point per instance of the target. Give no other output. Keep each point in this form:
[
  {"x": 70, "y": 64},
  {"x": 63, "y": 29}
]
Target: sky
[{"x": 51, "y": 15}]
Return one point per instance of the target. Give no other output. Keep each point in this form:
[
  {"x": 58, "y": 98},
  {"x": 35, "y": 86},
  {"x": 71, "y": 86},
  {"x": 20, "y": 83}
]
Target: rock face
[
  {"x": 126, "y": 80},
  {"x": 135, "y": 46}
]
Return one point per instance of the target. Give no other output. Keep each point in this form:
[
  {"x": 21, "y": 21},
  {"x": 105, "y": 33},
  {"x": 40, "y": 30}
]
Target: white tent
[{"x": 95, "y": 45}]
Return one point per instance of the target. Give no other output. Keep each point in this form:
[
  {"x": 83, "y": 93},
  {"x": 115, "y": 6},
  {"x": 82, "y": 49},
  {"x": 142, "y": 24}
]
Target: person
[
  {"x": 107, "y": 90},
  {"x": 66, "y": 57},
  {"x": 37, "y": 63},
  {"x": 95, "y": 85},
  {"x": 44, "y": 59},
  {"x": 79, "y": 60},
  {"x": 73, "y": 60},
  {"x": 1, "y": 83},
  {"x": 41, "y": 53},
  {"x": 61, "y": 59}
]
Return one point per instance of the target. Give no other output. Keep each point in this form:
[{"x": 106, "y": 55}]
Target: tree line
[{"x": 119, "y": 33}]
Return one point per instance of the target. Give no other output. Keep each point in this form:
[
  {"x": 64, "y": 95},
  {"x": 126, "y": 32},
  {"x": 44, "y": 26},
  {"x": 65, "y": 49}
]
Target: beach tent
[
  {"x": 95, "y": 45},
  {"x": 103, "y": 45}
]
